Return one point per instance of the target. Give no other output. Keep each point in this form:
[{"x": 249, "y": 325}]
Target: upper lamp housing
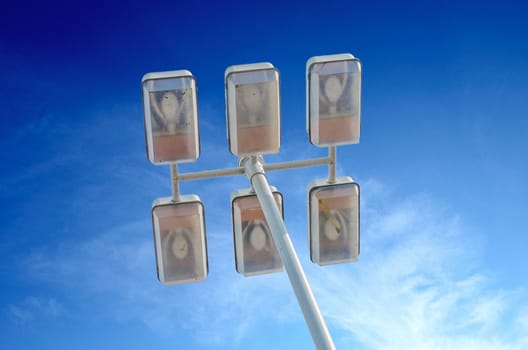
[
  {"x": 333, "y": 97},
  {"x": 253, "y": 109},
  {"x": 334, "y": 221},
  {"x": 179, "y": 240},
  {"x": 171, "y": 117}
]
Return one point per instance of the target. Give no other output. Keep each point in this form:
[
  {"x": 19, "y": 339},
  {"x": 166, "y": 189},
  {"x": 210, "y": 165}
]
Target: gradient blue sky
[{"x": 442, "y": 165}]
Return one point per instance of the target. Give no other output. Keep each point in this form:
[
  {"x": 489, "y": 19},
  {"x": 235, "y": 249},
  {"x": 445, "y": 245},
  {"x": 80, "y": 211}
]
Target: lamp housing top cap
[
  {"x": 167, "y": 75},
  {"x": 324, "y": 182},
  {"x": 248, "y": 67},
  {"x": 247, "y": 192},
  {"x": 328, "y": 58},
  {"x": 188, "y": 198}
]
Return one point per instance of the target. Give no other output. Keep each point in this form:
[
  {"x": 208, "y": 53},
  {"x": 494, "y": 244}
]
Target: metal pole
[
  {"x": 316, "y": 324},
  {"x": 209, "y": 174},
  {"x": 332, "y": 164},
  {"x": 175, "y": 183},
  {"x": 296, "y": 164}
]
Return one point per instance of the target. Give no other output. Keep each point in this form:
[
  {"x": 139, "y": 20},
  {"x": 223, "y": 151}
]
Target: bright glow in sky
[{"x": 441, "y": 164}]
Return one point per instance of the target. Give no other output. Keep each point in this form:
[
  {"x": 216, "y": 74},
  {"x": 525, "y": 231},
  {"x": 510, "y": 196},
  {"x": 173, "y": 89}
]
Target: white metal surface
[
  {"x": 166, "y": 75},
  {"x": 332, "y": 164},
  {"x": 174, "y": 182},
  {"x": 295, "y": 164},
  {"x": 312, "y": 315}
]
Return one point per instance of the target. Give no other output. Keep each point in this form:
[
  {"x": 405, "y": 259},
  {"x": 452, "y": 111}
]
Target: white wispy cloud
[
  {"x": 419, "y": 283},
  {"x": 119, "y": 266},
  {"x": 32, "y": 308}
]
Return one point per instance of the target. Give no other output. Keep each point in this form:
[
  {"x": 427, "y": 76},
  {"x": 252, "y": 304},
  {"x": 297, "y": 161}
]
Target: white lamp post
[{"x": 261, "y": 240}]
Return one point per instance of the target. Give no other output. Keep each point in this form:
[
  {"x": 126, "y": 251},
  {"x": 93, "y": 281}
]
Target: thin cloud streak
[
  {"x": 32, "y": 308},
  {"x": 418, "y": 284},
  {"x": 119, "y": 266}
]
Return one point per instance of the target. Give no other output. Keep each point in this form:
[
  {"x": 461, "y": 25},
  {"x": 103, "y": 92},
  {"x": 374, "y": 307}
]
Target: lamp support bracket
[{"x": 176, "y": 177}]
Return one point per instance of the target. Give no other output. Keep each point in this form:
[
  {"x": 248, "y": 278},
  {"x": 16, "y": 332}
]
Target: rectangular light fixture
[
  {"x": 171, "y": 117},
  {"x": 333, "y": 97},
  {"x": 333, "y": 211},
  {"x": 179, "y": 240},
  {"x": 253, "y": 109},
  {"x": 255, "y": 250}
]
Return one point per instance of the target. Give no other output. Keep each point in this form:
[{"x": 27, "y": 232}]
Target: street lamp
[
  {"x": 261, "y": 240},
  {"x": 334, "y": 221},
  {"x": 179, "y": 240},
  {"x": 333, "y": 99},
  {"x": 253, "y": 109},
  {"x": 255, "y": 250},
  {"x": 171, "y": 117},
  {"x": 171, "y": 131}
]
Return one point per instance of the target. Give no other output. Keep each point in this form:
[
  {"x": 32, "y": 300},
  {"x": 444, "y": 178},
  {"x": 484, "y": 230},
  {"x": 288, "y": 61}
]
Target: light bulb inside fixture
[
  {"x": 258, "y": 236},
  {"x": 333, "y": 88},
  {"x": 332, "y": 227},
  {"x": 252, "y": 99},
  {"x": 170, "y": 110},
  {"x": 179, "y": 244}
]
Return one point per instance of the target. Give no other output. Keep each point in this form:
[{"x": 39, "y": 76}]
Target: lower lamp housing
[
  {"x": 179, "y": 240},
  {"x": 333, "y": 211},
  {"x": 255, "y": 250}
]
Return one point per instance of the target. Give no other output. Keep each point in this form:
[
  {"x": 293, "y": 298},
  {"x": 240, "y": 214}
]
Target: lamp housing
[
  {"x": 179, "y": 240},
  {"x": 333, "y": 212},
  {"x": 255, "y": 250},
  {"x": 171, "y": 117},
  {"x": 333, "y": 99},
  {"x": 253, "y": 109}
]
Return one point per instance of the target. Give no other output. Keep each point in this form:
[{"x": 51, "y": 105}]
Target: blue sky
[{"x": 441, "y": 164}]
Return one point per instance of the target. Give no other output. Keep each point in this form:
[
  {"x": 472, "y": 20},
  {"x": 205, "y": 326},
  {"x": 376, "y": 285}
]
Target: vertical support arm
[
  {"x": 316, "y": 324},
  {"x": 175, "y": 183},
  {"x": 332, "y": 164}
]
